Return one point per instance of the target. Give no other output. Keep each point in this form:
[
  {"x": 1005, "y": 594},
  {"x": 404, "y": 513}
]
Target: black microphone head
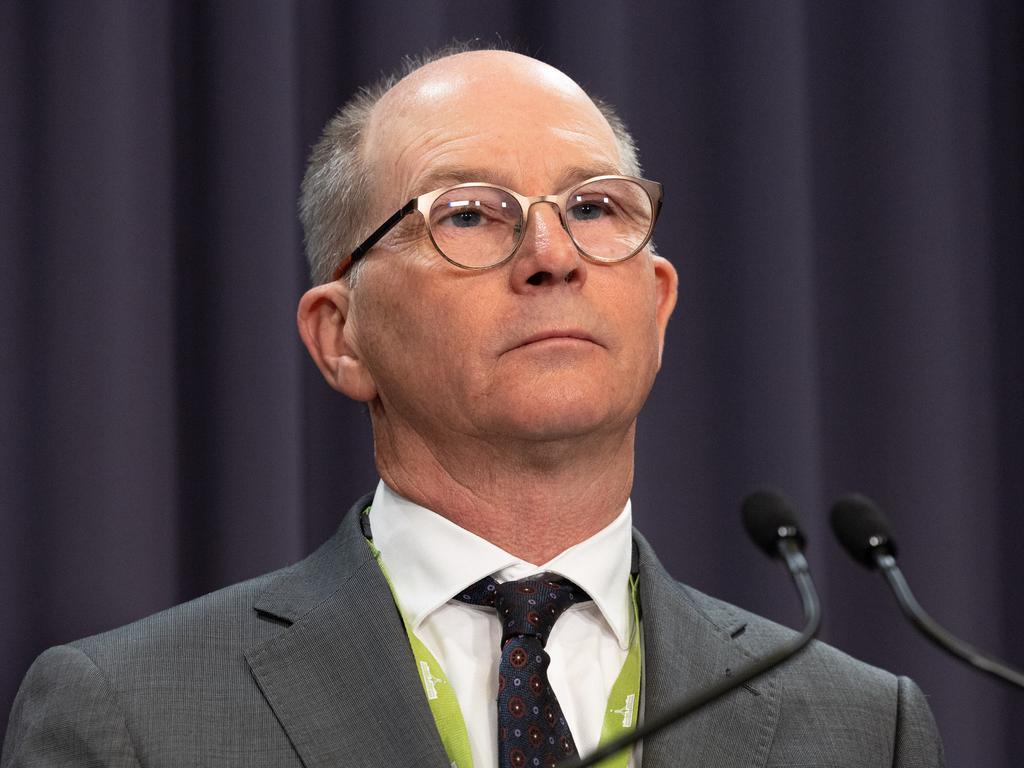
[
  {"x": 768, "y": 517},
  {"x": 862, "y": 528}
]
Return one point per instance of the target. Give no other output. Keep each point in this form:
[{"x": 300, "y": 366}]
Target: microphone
[
  {"x": 772, "y": 525},
  {"x": 864, "y": 532}
]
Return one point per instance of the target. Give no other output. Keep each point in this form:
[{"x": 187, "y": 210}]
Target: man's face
[{"x": 544, "y": 347}]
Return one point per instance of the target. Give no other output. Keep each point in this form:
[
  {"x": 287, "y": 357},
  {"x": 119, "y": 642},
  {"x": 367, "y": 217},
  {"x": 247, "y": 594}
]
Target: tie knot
[{"x": 528, "y": 606}]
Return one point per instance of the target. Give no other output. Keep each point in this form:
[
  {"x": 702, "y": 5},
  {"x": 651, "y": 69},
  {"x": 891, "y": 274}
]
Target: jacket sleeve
[
  {"x": 67, "y": 714},
  {"x": 917, "y": 739}
]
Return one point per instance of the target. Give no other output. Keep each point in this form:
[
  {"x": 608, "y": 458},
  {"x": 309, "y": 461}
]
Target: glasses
[{"x": 479, "y": 226}]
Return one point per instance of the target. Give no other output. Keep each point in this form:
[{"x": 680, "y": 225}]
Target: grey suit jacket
[{"x": 311, "y": 666}]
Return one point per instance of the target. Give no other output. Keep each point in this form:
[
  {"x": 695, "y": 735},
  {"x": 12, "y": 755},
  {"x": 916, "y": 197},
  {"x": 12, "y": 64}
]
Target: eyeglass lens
[{"x": 473, "y": 226}]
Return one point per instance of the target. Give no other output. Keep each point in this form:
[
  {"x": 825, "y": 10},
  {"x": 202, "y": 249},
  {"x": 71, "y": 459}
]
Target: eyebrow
[{"x": 450, "y": 176}]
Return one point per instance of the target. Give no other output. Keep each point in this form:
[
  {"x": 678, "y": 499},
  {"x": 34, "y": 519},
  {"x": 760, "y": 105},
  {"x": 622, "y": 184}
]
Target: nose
[{"x": 547, "y": 257}]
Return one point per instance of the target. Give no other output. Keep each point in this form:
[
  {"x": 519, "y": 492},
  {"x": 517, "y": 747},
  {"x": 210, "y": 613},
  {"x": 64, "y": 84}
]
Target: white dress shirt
[{"x": 429, "y": 559}]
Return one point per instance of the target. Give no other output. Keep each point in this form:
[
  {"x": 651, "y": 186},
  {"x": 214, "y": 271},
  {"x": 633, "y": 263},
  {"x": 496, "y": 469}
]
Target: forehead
[{"x": 487, "y": 116}]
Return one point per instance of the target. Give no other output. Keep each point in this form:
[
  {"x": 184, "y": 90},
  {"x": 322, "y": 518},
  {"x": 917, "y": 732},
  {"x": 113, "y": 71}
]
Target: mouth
[{"x": 557, "y": 336}]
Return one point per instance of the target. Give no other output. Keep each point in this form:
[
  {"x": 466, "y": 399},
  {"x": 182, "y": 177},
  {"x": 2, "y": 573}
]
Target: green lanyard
[
  {"x": 620, "y": 720},
  {"x": 620, "y": 714}
]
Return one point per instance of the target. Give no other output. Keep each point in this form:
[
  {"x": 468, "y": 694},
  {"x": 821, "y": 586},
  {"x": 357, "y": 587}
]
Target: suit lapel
[
  {"x": 341, "y": 678},
  {"x": 690, "y": 643},
  {"x": 342, "y": 681}
]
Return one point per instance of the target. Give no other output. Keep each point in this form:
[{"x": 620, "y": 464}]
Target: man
[{"x": 504, "y": 326}]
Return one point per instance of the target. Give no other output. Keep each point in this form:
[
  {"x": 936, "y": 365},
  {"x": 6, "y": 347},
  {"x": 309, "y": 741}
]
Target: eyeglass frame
[{"x": 423, "y": 203}]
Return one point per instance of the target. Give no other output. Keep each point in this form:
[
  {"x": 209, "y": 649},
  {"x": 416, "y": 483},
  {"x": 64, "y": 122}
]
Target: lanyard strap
[
  {"x": 625, "y": 691},
  {"x": 620, "y": 713},
  {"x": 440, "y": 696}
]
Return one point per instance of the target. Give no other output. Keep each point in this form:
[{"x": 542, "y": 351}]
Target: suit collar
[{"x": 341, "y": 678}]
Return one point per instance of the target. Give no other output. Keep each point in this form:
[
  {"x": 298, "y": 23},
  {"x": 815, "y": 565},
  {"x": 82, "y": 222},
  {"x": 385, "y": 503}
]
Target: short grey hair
[{"x": 335, "y": 203}]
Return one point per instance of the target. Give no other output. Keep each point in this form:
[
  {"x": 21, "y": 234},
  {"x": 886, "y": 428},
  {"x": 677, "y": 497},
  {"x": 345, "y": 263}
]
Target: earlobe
[
  {"x": 666, "y": 289},
  {"x": 326, "y": 327}
]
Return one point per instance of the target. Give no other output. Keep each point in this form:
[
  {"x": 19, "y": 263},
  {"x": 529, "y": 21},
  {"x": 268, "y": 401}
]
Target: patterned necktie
[{"x": 532, "y": 732}]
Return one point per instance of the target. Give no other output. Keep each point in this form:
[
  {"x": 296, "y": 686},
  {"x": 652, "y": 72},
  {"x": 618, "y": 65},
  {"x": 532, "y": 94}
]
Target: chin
[
  {"x": 547, "y": 418},
  {"x": 565, "y": 404}
]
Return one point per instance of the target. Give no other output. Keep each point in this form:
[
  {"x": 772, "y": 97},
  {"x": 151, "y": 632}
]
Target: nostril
[{"x": 539, "y": 278}]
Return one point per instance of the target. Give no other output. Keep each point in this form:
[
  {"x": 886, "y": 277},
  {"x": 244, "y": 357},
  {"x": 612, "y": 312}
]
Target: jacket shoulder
[
  {"x": 761, "y": 636},
  {"x": 236, "y": 617},
  {"x": 171, "y": 688},
  {"x": 218, "y": 620},
  {"x": 824, "y": 690}
]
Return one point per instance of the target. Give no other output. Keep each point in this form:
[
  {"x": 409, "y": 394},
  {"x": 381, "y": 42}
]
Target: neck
[{"x": 561, "y": 491}]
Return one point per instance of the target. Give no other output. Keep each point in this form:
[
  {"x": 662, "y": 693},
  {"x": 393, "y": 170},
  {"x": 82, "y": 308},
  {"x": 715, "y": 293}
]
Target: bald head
[
  {"x": 484, "y": 115},
  {"x": 358, "y": 167},
  {"x": 474, "y": 73}
]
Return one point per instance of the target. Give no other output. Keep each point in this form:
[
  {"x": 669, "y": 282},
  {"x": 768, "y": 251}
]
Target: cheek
[
  {"x": 638, "y": 359},
  {"x": 423, "y": 344},
  {"x": 633, "y": 306}
]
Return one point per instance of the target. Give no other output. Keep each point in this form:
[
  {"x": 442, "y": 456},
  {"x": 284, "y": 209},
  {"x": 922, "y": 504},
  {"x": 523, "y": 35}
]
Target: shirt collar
[{"x": 415, "y": 545}]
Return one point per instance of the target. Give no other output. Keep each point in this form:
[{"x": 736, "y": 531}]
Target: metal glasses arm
[{"x": 361, "y": 249}]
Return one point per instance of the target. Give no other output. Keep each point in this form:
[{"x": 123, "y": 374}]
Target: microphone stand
[
  {"x": 797, "y": 565},
  {"x": 934, "y": 631}
]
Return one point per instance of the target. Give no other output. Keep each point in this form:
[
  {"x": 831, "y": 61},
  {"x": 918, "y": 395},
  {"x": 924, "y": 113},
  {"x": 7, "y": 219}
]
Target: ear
[
  {"x": 325, "y": 324},
  {"x": 666, "y": 290}
]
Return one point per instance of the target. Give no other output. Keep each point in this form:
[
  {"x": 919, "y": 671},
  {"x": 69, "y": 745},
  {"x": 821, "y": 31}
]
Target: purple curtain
[{"x": 844, "y": 202}]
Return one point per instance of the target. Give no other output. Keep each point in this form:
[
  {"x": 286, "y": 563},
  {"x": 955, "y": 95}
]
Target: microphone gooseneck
[
  {"x": 773, "y": 527},
  {"x": 863, "y": 530},
  {"x": 772, "y": 524}
]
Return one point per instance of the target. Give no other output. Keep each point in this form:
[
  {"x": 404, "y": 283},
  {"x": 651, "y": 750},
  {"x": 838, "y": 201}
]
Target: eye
[
  {"x": 465, "y": 218},
  {"x": 589, "y": 208},
  {"x": 473, "y": 208},
  {"x": 461, "y": 214}
]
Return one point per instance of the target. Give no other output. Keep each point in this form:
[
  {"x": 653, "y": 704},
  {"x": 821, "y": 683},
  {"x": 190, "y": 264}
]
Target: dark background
[{"x": 844, "y": 203}]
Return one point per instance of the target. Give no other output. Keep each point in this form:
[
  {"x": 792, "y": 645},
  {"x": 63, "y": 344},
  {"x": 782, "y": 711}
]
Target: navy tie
[{"x": 532, "y": 731}]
